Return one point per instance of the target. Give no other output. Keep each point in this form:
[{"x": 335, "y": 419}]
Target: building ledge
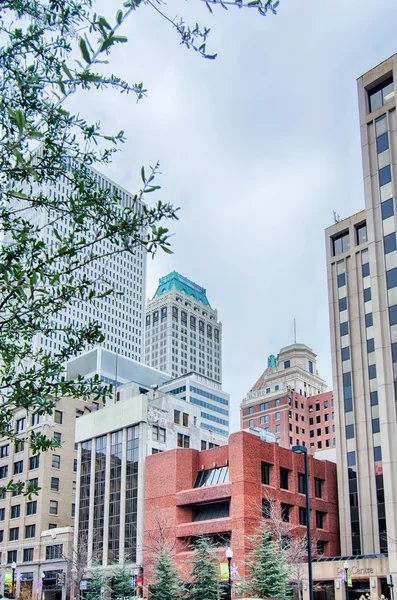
[{"x": 204, "y": 494}]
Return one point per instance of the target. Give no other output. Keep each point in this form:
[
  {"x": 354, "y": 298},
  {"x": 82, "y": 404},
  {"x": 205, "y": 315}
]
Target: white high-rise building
[
  {"x": 183, "y": 333},
  {"x": 362, "y": 284},
  {"x": 120, "y": 315}
]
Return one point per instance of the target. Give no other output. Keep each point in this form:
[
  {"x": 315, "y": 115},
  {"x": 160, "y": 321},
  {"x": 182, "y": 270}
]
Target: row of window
[
  {"x": 284, "y": 480},
  {"x": 286, "y": 511}
]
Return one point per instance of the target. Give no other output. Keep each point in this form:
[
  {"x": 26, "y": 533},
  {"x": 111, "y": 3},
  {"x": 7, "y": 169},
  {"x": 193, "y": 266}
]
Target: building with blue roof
[{"x": 183, "y": 333}]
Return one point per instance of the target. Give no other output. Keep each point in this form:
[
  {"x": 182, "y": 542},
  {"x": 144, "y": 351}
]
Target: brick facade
[
  {"x": 295, "y": 419},
  {"x": 172, "y": 503}
]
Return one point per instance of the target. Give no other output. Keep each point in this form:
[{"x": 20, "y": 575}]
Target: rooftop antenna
[
  {"x": 295, "y": 331},
  {"x": 336, "y": 218}
]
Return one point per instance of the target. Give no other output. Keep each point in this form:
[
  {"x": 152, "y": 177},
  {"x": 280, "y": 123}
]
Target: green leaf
[
  {"x": 143, "y": 174},
  {"x": 102, "y": 21},
  {"x": 66, "y": 70},
  {"x": 84, "y": 50},
  {"x": 17, "y": 194},
  {"x": 120, "y": 38},
  {"x": 151, "y": 189},
  {"x": 61, "y": 86},
  {"x": 107, "y": 42},
  {"x": 119, "y": 16}
]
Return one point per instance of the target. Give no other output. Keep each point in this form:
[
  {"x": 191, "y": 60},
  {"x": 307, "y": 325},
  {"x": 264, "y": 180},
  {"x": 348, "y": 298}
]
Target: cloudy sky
[{"x": 258, "y": 148}]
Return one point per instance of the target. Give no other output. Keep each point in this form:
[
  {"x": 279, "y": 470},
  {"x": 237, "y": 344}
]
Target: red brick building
[
  {"x": 222, "y": 493},
  {"x": 295, "y": 419}
]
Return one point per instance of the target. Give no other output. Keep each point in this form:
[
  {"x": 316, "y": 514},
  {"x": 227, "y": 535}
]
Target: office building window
[
  {"x": 53, "y": 552},
  {"x": 18, "y": 467},
  {"x": 367, "y": 294},
  {"x": 27, "y": 554},
  {"x": 302, "y": 516},
  {"x": 372, "y": 371},
  {"x": 55, "y": 484},
  {"x": 53, "y": 507},
  {"x": 31, "y": 508},
  {"x": 30, "y": 531},
  {"x": 320, "y": 518},
  {"x": 389, "y": 243},
  {"x": 387, "y": 208},
  {"x": 11, "y": 556},
  {"x": 265, "y": 473},
  {"x": 310, "y": 366},
  {"x": 349, "y": 432},
  {"x": 34, "y": 462},
  {"x": 158, "y": 433},
  {"x": 318, "y": 487},
  {"x": 4, "y": 450},
  {"x": 341, "y": 243},
  {"x": 381, "y": 94},
  {"x": 267, "y": 508},
  {"x": 370, "y": 345},
  {"x": 344, "y": 328},
  {"x": 177, "y": 417},
  {"x": 185, "y": 419},
  {"x": 56, "y": 461},
  {"x": 277, "y": 416},
  {"x": 287, "y": 364},
  {"x": 58, "y": 417},
  {"x": 369, "y": 320},
  {"x": 365, "y": 269},
  {"x": 3, "y": 471},
  {"x": 361, "y": 233},
  {"x": 285, "y": 510},
  {"x": 342, "y": 304},
  {"x": 20, "y": 424},
  {"x": 284, "y": 473},
  {"x": 183, "y": 441},
  {"x": 301, "y": 483},
  {"x": 13, "y": 534}
]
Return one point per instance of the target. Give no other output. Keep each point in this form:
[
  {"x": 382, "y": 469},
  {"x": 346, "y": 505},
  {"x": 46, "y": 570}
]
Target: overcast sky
[{"x": 258, "y": 148}]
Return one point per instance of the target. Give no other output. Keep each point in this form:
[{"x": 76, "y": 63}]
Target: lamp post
[
  {"x": 303, "y": 450},
  {"x": 13, "y": 567},
  {"x": 346, "y": 567},
  {"x": 229, "y": 556},
  {"x": 42, "y": 585}
]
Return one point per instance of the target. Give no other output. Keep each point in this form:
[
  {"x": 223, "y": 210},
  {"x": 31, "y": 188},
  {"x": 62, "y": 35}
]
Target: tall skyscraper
[
  {"x": 362, "y": 284},
  {"x": 121, "y": 316},
  {"x": 183, "y": 333}
]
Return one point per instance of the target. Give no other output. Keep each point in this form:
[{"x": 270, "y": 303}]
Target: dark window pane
[
  {"x": 367, "y": 294},
  {"x": 347, "y": 379},
  {"x": 343, "y": 304},
  {"x": 284, "y": 479},
  {"x": 377, "y": 453},
  {"x": 387, "y": 208},
  {"x": 365, "y": 269},
  {"x": 344, "y": 328},
  {"x": 375, "y": 426},
  {"x": 341, "y": 279},
  {"x": 341, "y": 244},
  {"x": 393, "y": 314},
  {"x": 385, "y": 175},
  {"x": 374, "y": 398},
  {"x": 391, "y": 278},
  {"x": 345, "y": 352},
  {"x": 349, "y": 432},
  {"x": 375, "y": 99},
  {"x": 351, "y": 459},
  {"x": 369, "y": 320},
  {"x": 372, "y": 371},
  {"x": 389, "y": 242},
  {"x": 382, "y": 142},
  {"x": 348, "y": 402},
  {"x": 371, "y": 345},
  {"x": 394, "y": 352}
]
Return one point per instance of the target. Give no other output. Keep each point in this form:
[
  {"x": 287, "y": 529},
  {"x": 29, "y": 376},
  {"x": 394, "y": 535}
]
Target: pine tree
[
  {"x": 267, "y": 572},
  {"x": 167, "y": 583},
  {"x": 121, "y": 583},
  {"x": 204, "y": 573},
  {"x": 96, "y": 584}
]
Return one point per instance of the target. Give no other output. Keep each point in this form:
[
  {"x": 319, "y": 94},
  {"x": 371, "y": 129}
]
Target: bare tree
[{"x": 76, "y": 559}]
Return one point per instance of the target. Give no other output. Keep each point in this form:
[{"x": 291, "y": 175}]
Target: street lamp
[
  {"x": 229, "y": 556},
  {"x": 13, "y": 567},
  {"x": 346, "y": 567},
  {"x": 303, "y": 450},
  {"x": 42, "y": 585}
]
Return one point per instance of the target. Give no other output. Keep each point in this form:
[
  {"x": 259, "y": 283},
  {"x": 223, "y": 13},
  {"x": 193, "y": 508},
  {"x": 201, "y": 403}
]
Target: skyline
[{"x": 246, "y": 157}]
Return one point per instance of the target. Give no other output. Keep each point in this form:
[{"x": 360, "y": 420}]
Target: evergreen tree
[
  {"x": 167, "y": 583},
  {"x": 121, "y": 583},
  {"x": 267, "y": 572},
  {"x": 204, "y": 572},
  {"x": 96, "y": 584}
]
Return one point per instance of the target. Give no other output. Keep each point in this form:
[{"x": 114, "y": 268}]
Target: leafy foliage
[
  {"x": 45, "y": 146},
  {"x": 167, "y": 585},
  {"x": 267, "y": 572},
  {"x": 204, "y": 573}
]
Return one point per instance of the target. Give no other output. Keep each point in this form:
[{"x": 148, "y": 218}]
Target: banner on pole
[{"x": 224, "y": 571}]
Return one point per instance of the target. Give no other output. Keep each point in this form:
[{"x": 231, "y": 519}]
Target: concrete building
[
  {"x": 207, "y": 394},
  {"x": 121, "y": 316},
  {"x": 112, "y": 447},
  {"x": 35, "y": 532},
  {"x": 225, "y": 492},
  {"x": 290, "y": 401},
  {"x": 182, "y": 331},
  {"x": 362, "y": 286}
]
